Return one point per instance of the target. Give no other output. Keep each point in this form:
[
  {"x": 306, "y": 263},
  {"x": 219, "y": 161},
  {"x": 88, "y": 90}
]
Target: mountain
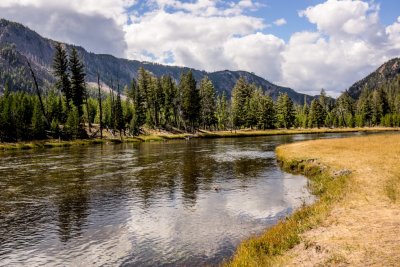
[
  {"x": 19, "y": 44},
  {"x": 386, "y": 73}
]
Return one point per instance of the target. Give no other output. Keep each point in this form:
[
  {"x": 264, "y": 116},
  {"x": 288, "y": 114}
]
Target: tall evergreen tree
[
  {"x": 241, "y": 95},
  {"x": 77, "y": 80},
  {"x": 119, "y": 116},
  {"x": 60, "y": 68},
  {"x": 190, "y": 100},
  {"x": 317, "y": 114},
  {"x": 169, "y": 91},
  {"x": 207, "y": 103},
  {"x": 364, "y": 109},
  {"x": 6, "y": 116},
  {"x": 305, "y": 114},
  {"x": 140, "y": 101},
  {"x": 72, "y": 125},
  {"x": 262, "y": 108},
  {"x": 222, "y": 112},
  {"x": 285, "y": 111},
  {"x": 38, "y": 122},
  {"x": 345, "y": 110}
]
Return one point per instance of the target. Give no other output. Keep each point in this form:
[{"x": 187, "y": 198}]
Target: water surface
[{"x": 185, "y": 203}]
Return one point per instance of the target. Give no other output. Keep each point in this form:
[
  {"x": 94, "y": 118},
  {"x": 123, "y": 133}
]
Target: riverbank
[
  {"x": 162, "y": 136},
  {"x": 356, "y": 219}
]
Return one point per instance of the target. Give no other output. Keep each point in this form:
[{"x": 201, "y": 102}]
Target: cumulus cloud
[
  {"x": 194, "y": 40},
  {"x": 393, "y": 33},
  {"x": 312, "y": 62},
  {"x": 94, "y": 32},
  {"x": 95, "y": 25},
  {"x": 205, "y": 35},
  {"x": 280, "y": 22},
  {"x": 258, "y": 52},
  {"x": 346, "y": 19},
  {"x": 349, "y": 40},
  {"x": 349, "y": 43}
]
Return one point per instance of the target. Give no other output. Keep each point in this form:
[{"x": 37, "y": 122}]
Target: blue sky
[{"x": 303, "y": 44}]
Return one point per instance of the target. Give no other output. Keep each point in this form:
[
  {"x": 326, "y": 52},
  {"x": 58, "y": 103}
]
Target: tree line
[{"x": 71, "y": 106}]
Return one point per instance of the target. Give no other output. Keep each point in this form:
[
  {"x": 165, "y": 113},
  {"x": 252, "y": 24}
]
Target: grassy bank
[
  {"x": 165, "y": 136},
  {"x": 356, "y": 218},
  {"x": 251, "y": 133},
  {"x": 49, "y": 144}
]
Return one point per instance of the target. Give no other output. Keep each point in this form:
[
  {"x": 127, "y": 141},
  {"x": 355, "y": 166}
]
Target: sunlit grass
[
  {"x": 264, "y": 250},
  {"x": 358, "y": 174},
  {"x": 250, "y": 133}
]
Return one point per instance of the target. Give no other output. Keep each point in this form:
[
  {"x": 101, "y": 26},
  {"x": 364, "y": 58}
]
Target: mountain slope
[
  {"x": 384, "y": 74},
  {"x": 19, "y": 44}
]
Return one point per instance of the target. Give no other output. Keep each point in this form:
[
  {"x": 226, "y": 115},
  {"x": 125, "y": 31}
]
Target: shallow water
[{"x": 184, "y": 203}]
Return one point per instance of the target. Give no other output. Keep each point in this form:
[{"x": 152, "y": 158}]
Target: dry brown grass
[
  {"x": 364, "y": 228},
  {"x": 250, "y": 133},
  {"x": 355, "y": 222}
]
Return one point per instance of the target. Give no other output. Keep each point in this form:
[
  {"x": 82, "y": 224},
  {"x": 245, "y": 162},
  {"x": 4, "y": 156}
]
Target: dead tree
[
  {"x": 100, "y": 108},
  {"x": 38, "y": 93}
]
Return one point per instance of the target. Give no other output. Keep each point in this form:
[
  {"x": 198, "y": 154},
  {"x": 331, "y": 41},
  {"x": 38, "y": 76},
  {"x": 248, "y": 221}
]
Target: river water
[{"x": 178, "y": 203}]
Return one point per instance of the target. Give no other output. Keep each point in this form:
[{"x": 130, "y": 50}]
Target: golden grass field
[{"x": 355, "y": 222}]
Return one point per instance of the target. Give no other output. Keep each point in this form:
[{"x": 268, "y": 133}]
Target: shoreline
[
  {"x": 162, "y": 137},
  {"x": 352, "y": 197}
]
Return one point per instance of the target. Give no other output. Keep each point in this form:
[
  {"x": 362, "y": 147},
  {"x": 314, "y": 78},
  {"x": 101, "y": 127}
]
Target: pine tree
[
  {"x": 317, "y": 114},
  {"x": 60, "y": 67},
  {"x": 207, "y": 103},
  {"x": 190, "y": 100},
  {"x": 344, "y": 110},
  {"x": 241, "y": 95},
  {"x": 155, "y": 101},
  {"x": 22, "y": 109},
  {"x": 285, "y": 111},
  {"x": 170, "y": 95},
  {"x": 305, "y": 111},
  {"x": 72, "y": 125},
  {"x": 264, "y": 111},
  {"x": 77, "y": 80},
  {"x": 364, "y": 109},
  {"x": 140, "y": 103},
  {"x": 222, "y": 112},
  {"x": 119, "y": 116},
  {"x": 38, "y": 122},
  {"x": 6, "y": 116}
]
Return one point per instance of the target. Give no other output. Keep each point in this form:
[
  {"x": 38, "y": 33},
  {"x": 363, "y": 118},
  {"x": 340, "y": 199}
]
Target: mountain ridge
[
  {"x": 18, "y": 44},
  {"x": 387, "y": 72}
]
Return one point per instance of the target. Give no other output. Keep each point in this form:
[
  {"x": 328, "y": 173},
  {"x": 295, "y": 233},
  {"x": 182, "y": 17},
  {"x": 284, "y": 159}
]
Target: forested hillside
[
  {"x": 385, "y": 74},
  {"x": 184, "y": 106},
  {"x": 18, "y": 44}
]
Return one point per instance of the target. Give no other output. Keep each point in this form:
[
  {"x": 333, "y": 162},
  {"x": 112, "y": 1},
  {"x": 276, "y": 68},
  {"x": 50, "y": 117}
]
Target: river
[{"x": 177, "y": 203}]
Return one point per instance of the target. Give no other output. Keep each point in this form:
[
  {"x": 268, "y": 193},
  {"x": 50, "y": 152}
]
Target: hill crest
[{"x": 18, "y": 43}]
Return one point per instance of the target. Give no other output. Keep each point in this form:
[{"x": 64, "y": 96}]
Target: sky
[{"x": 303, "y": 44}]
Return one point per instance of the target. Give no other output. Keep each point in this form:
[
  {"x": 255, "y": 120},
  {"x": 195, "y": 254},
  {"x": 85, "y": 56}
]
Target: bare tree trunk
[
  {"x": 38, "y": 93},
  {"x": 87, "y": 110},
  {"x": 101, "y": 111}
]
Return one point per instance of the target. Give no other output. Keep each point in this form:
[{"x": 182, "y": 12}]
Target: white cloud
[
  {"x": 259, "y": 53},
  {"x": 312, "y": 62},
  {"x": 393, "y": 32},
  {"x": 280, "y": 22},
  {"x": 93, "y": 24},
  {"x": 194, "y": 40},
  {"x": 348, "y": 43},
  {"x": 346, "y": 19}
]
